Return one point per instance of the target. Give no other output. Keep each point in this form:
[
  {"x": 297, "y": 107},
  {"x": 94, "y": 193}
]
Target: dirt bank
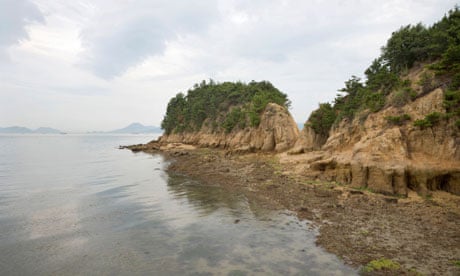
[{"x": 421, "y": 234}]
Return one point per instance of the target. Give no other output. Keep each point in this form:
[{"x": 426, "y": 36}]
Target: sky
[{"x": 102, "y": 64}]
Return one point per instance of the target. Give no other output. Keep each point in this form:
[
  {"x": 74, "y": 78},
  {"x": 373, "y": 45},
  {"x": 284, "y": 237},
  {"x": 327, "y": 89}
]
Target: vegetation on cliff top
[
  {"x": 221, "y": 106},
  {"x": 438, "y": 45}
]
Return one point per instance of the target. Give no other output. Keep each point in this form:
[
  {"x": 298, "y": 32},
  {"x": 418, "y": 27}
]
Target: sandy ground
[{"x": 421, "y": 234}]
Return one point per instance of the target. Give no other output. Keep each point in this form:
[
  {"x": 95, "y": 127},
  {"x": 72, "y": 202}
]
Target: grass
[
  {"x": 381, "y": 264},
  {"x": 456, "y": 263},
  {"x": 322, "y": 184},
  {"x": 364, "y": 189},
  {"x": 414, "y": 272}
]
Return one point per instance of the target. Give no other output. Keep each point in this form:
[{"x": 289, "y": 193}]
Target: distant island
[
  {"x": 133, "y": 128},
  {"x": 25, "y": 130},
  {"x": 137, "y": 128}
]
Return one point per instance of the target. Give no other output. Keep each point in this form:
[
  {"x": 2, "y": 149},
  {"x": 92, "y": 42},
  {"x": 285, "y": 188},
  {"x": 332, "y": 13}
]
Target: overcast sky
[{"x": 102, "y": 64}]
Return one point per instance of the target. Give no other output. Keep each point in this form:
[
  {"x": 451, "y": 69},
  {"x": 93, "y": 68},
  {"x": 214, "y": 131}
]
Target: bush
[
  {"x": 322, "y": 119},
  {"x": 429, "y": 120},
  {"x": 427, "y": 82},
  {"x": 374, "y": 101},
  {"x": 401, "y": 97},
  {"x": 233, "y": 119},
  {"x": 452, "y": 101},
  {"x": 381, "y": 264},
  {"x": 398, "y": 120}
]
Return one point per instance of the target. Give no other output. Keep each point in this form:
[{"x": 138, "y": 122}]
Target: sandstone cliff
[
  {"x": 371, "y": 152},
  {"x": 277, "y": 131}
]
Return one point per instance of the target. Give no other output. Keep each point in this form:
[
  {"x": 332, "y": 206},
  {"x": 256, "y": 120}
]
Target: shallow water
[{"x": 76, "y": 205}]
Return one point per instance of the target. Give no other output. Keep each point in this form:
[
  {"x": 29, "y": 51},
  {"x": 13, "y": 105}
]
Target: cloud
[
  {"x": 15, "y": 16},
  {"x": 102, "y": 64},
  {"x": 123, "y": 36}
]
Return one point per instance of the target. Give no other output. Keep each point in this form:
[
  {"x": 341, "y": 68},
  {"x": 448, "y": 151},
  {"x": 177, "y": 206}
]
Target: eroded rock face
[
  {"x": 277, "y": 131},
  {"x": 308, "y": 140},
  {"x": 391, "y": 159}
]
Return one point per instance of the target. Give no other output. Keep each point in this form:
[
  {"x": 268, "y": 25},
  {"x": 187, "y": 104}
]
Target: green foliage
[
  {"x": 398, "y": 120},
  {"x": 406, "y": 46},
  {"x": 418, "y": 43},
  {"x": 176, "y": 117},
  {"x": 383, "y": 85},
  {"x": 427, "y": 82},
  {"x": 429, "y": 120},
  {"x": 358, "y": 97},
  {"x": 380, "y": 77},
  {"x": 254, "y": 118},
  {"x": 322, "y": 119},
  {"x": 224, "y": 106},
  {"x": 381, "y": 264},
  {"x": 402, "y": 96},
  {"x": 234, "y": 118},
  {"x": 452, "y": 102}
]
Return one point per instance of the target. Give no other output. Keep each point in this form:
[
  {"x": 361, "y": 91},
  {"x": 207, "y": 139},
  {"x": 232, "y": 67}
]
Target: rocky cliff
[
  {"x": 277, "y": 131},
  {"x": 385, "y": 152}
]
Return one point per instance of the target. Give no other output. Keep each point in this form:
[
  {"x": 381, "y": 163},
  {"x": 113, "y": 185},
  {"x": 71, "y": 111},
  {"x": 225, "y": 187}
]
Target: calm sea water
[{"x": 77, "y": 205}]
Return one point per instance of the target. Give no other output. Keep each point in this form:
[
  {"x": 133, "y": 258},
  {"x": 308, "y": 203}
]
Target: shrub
[
  {"x": 452, "y": 101},
  {"x": 429, "y": 120},
  {"x": 427, "y": 82},
  {"x": 381, "y": 264},
  {"x": 322, "y": 119},
  {"x": 374, "y": 101},
  {"x": 401, "y": 97},
  {"x": 398, "y": 120},
  {"x": 434, "y": 117},
  {"x": 233, "y": 119}
]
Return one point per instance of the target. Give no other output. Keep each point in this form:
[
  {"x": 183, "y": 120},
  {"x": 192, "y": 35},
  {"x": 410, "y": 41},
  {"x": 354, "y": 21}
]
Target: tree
[
  {"x": 322, "y": 119},
  {"x": 405, "y": 46},
  {"x": 227, "y": 105}
]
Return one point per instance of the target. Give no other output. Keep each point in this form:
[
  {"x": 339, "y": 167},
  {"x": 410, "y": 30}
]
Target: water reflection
[
  {"x": 262, "y": 241},
  {"x": 98, "y": 210},
  {"x": 205, "y": 199}
]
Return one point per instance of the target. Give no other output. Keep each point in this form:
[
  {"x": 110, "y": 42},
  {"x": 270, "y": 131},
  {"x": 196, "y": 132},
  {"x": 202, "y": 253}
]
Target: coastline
[{"x": 359, "y": 226}]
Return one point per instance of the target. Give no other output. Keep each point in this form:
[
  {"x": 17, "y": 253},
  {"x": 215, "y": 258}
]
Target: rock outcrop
[
  {"x": 308, "y": 140},
  {"x": 388, "y": 158},
  {"x": 277, "y": 131}
]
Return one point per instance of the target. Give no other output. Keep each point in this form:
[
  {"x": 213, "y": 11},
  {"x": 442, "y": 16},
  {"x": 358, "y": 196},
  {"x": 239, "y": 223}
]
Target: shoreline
[{"x": 359, "y": 226}]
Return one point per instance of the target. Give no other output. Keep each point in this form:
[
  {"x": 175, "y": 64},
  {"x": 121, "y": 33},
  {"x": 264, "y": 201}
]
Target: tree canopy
[
  {"x": 223, "y": 106},
  {"x": 438, "y": 45}
]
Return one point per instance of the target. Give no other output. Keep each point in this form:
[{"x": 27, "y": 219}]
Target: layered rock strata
[
  {"x": 373, "y": 153},
  {"x": 277, "y": 131}
]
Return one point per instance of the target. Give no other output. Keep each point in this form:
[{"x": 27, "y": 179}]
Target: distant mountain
[
  {"x": 137, "y": 128},
  {"x": 24, "y": 130},
  {"x": 47, "y": 130},
  {"x": 15, "y": 129}
]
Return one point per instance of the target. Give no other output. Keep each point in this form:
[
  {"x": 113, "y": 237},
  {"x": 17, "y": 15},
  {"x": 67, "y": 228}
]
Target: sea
[{"x": 75, "y": 204}]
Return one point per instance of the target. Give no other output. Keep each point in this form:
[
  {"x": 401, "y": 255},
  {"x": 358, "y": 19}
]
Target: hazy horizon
[
  {"x": 100, "y": 65},
  {"x": 79, "y": 132}
]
